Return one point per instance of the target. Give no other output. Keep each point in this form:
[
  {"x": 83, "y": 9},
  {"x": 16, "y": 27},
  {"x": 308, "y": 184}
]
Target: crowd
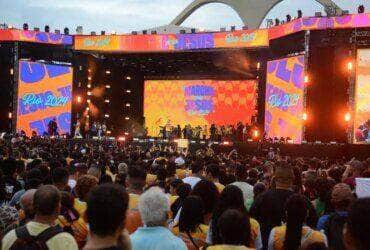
[{"x": 86, "y": 194}]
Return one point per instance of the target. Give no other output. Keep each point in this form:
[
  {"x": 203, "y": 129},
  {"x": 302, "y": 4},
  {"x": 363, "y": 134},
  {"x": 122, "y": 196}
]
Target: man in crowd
[
  {"x": 107, "y": 225},
  {"x": 47, "y": 207},
  {"x": 197, "y": 174}
]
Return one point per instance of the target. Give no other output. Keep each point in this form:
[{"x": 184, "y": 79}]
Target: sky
[{"x": 124, "y": 16}]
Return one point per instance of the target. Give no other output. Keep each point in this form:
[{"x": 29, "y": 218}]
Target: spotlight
[
  {"x": 126, "y": 133},
  {"x": 121, "y": 138},
  {"x": 88, "y": 100},
  {"x": 89, "y": 70},
  {"x": 11, "y": 71},
  {"x": 349, "y": 66},
  {"x": 88, "y": 85},
  {"x": 306, "y": 79},
  {"x": 107, "y": 72},
  {"x": 128, "y": 77},
  {"x": 89, "y": 78},
  {"x": 107, "y": 86},
  {"x": 347, "y": 117},
  {"x": 109, "y": 132},
  {"x": 107, "y": 101},
  {"x": 258, "y": 65},
  {"x": 255, "y": 134},
  {"x": 10, "y": 115},
  {"x": 106, "y": 115},
  {"x": 127, "y": 118},
  {"x": 89, "y": 93},
  {"x": 66, "y": 31},
  {"x": 128, "y": 91},
  {"x": 79, "y": 99},
  {"x": 304, "y": 117},
  {"x": 25, "y": 26},
  {"x": 128, "y": 104},
  {"x": 87, "y": 108},
  {"x": 47, "y": 28}
]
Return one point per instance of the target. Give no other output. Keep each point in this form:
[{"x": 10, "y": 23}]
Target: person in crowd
[
  {"x": 268, "y": 208},
  {"x": 59, "y": 177},
  {"x": 356, "y": 232},
  {"x": 182, "y": 191},
  {"x": 295, "y": 232},
  {"x": 333, "y": 224},
  {"x": 258, "y": 189},
  {"x": 136, "y": 181},
  {"x": 84, "y": 184},
  {"x": 209, "y": 194},
  {"x": 322, "y": 202},
  {"x": 107, "y": 225},
  {"x": 11, "y": 184},
  {"x": 234, "y": 231},
  {"x": 9, "y": 219},
  {"x": 213, "y": 174},
  {"x": 196, "y": 174},
  {"x": 94, "y": 171},
  {"x": 70, "y": 220},
  {"x": 27, "y": 208},
  {"x": 232, "y": 198},
  {"x": 353, "y": 170},
  {"x": 191, "y": 227},
  {"x": 154, "y": 208},
  {"x": 47, "y": 206}
]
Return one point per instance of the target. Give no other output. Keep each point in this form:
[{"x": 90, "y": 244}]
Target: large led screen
[
  {"x": 362, "y": 98},
  {"x": 198, "y": 102},
  {"x": 44, "y": 93},
  {"x": 284, "y": 98}
]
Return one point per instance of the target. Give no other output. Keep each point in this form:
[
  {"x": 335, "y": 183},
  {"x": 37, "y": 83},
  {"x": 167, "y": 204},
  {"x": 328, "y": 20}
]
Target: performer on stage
[{"x": 53, "y": 127}]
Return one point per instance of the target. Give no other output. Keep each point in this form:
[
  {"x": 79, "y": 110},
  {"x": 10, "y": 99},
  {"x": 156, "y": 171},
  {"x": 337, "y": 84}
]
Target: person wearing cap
[
  {"x": 341, "y": 199},
  {"x": 353, "y": 170}
]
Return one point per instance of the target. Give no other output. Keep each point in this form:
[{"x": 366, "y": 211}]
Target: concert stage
[{"x": 306, "y": 80}]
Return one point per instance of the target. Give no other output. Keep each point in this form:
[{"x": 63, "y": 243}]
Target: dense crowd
[{"x": 86, "y": 194}]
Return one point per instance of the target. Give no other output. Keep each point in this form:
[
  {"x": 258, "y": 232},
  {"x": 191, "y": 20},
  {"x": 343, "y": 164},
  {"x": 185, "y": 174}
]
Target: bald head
[
  {"x": 27, "y": 203},
  {"x": 46, "y": 200}
]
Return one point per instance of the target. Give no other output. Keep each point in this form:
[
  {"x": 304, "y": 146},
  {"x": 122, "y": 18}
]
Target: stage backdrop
[
  {"x": 284, "y": 98},
  {"x": 198, "y": 102},
  {"x": 44, "y": 93},
  {"x": 362, "y": 98}
]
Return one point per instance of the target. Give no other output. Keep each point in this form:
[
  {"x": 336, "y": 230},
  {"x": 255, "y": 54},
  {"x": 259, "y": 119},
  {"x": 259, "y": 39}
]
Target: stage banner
[
  {"x": 362, "y": 97},
  {"x": 198, "y": 103},
  {"x": 320, "y": 23},
  {"x": 173, "y": 42},
  {"x": 44, "y": 93},
  {"x": 35, "y": 36},
  {"x": 284, "y": 98}
]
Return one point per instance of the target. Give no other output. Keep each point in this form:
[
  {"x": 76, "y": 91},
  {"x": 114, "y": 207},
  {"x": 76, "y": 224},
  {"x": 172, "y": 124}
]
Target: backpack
[
  {"x": 333, "y": 228},
  {"x": 25, "y": 241}
]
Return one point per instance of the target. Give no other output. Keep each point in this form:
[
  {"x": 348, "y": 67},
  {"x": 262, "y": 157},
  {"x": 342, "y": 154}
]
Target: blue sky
[{"x": 124, "y": 16}]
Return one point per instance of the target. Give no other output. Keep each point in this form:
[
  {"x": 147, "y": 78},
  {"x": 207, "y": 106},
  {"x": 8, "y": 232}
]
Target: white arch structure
[{"x": 251, "y": 12}]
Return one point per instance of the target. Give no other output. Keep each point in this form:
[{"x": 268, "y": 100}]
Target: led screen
[
  {"x": 284, "y": 98},
  {"x": 44, "y": 93},
  {"x": 198, "y": 102},
  {"x": 362, "y": 97}
]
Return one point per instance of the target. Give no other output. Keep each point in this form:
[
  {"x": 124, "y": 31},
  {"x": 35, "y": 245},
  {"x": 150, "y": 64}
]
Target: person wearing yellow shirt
[
  {"x": 47, "y": 205},
  {"x": 213, "y": 174},
  {"x": 232, "y": 198},
  {"x": 234, "y": 231},
  {"x": 190, "y": 227},
  {"x": 136, "y": 180},
  {"x": 294, "y": 233}
]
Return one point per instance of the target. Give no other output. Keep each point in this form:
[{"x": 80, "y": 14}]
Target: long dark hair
[
  {"x": 231, "y": 198},
  {"x": 296, "y": 212},
  {"x": 191, "y": 215}
]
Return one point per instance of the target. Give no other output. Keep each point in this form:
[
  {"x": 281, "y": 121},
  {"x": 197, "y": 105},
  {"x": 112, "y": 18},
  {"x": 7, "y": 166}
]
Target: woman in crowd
[
  {"x": 191, "y": 228},
  {"x": 294, "y": 233},
  {"x": 232, "y": 198}
]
